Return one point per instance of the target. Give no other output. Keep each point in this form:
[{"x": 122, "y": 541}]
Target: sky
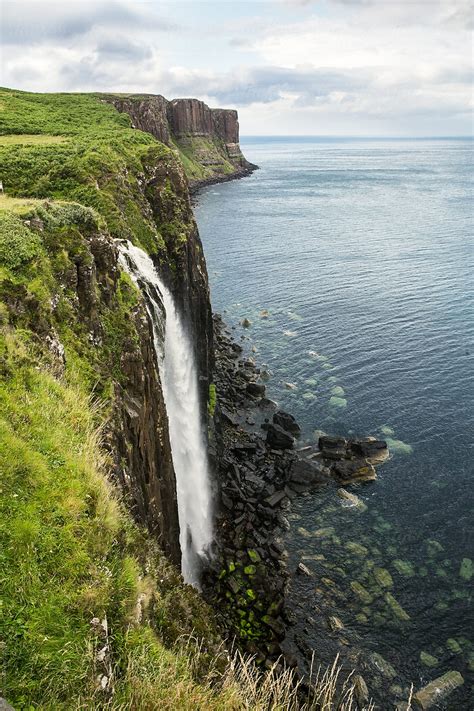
[{"x": 290, "y": 67}]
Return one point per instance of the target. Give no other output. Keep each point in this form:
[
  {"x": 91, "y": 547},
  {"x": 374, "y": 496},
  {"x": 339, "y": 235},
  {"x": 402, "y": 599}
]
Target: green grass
[
  {"x": 84, "y": 151},
  {"x": 18, "y": 205},
  {"x": 33, "y": 139},
  {"x": 194, "y": 150},
  {"x": 69, "y": 552}
]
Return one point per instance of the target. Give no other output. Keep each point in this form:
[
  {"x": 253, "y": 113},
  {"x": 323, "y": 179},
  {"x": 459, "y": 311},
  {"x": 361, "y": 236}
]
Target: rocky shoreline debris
[{"x": 260, "y": 471}]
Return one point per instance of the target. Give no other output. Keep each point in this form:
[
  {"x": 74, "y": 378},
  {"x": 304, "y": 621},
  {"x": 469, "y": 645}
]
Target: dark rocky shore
[
  {"x": 240, "y": 172},
  {"x": 261, "y": 470}
]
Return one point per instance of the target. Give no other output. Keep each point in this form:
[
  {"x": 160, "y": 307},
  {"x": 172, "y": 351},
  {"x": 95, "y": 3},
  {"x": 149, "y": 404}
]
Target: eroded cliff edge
[{"x": 207, "y": 139}]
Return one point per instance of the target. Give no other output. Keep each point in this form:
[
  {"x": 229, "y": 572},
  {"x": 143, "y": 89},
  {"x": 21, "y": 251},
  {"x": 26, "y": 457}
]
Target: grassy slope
[
  {"x": 195, "y": 151},
  {"x": 69, "y": 551}
]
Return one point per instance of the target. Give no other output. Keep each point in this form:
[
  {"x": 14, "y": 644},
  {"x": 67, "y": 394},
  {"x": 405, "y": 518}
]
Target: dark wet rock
[
  {"x": 228, "y": 416},
  {"x": 308, "y": 472},
  {"x": 278, "y": 438},
  {"x": 348, "y": 470},
  {"x": 287, "y": 422},
  {"x": 255, "y": 389},
  {"x": 277, "y": 625},
  {"x": 265, "y": 403},
  {"x": 332, "y": 447},
  {"x": 276, "y": 498},
  {"x": 372, "y": 449}
]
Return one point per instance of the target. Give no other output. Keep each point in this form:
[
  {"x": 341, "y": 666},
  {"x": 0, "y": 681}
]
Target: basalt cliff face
[{"x": 207, "y": 139}]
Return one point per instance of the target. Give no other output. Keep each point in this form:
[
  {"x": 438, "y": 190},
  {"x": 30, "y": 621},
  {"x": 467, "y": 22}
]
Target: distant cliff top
[{"x": 207, "y": 139}]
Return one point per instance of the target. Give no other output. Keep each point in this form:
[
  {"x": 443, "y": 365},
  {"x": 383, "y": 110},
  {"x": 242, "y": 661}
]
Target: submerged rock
[
  {"x": 383, "y": 577},
  {"x": 356, "y": 548},
  {"x": 340, "y": 402},
  {"x": 437, "y": 690},
  {"x": 404, "y": 567},
  {"x": 428, "y": 660},
  {"x": 466, "y": 570},
  {"x": 361, "y": 592},
  {"x": 384, "y": 667},
  {"x": 453, "y": 646},
  {"x": 434, "y": 547},
  {"x": 350, "y": 500},
  {"x": 396, "y": 608},
  {"x": 399, "y": 447}
]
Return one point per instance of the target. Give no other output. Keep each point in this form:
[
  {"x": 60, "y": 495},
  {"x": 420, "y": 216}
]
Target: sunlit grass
[
  {"x": 26, "y": 139},
  {"x": 16, "y": 204}
]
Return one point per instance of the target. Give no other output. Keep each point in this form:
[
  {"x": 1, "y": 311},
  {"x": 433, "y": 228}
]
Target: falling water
[{"x": 180, "y": 389}]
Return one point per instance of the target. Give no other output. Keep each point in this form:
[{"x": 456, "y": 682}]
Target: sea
[{"x": 353, "y": 261}]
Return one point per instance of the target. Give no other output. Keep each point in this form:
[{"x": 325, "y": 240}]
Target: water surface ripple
[{"x": 362, "y": 253}]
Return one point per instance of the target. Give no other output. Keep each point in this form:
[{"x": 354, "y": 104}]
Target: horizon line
[{"x": 369, "y": 137}]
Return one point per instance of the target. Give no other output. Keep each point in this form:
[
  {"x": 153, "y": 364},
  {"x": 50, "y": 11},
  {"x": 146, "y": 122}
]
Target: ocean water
[{"x": 362, "y": 253}]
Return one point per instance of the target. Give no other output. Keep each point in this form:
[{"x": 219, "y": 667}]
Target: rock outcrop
[{"x": 208, "y": 139}]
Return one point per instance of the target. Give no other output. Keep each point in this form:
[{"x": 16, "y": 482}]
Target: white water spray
[{"x": 179, "y": 379}]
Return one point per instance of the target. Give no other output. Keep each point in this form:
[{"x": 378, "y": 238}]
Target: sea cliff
[
  {"x": 90, "y": 535},
  {"x": 207, "y": 139}
]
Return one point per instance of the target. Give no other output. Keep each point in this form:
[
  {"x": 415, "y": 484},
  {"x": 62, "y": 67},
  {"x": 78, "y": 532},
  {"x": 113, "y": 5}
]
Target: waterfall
[{"x": 179, "y": 378}]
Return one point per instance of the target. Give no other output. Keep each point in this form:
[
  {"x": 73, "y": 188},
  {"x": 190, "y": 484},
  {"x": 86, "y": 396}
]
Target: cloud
[
  {"x": 455, "y": 13},
  {"x": 120, "y": 48},
  {"x": 31, "y": 22},
  {"x": 266, "y": 84}
]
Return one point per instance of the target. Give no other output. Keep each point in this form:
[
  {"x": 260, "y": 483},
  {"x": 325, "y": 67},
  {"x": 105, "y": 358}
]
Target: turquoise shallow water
[{"x": 361, "y": 251}]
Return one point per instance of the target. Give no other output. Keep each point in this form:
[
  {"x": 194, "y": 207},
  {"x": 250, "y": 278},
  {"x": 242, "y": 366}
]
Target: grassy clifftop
[
  {"x": 71, "y": 558},
  {"x": 78, "y": 147}
]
